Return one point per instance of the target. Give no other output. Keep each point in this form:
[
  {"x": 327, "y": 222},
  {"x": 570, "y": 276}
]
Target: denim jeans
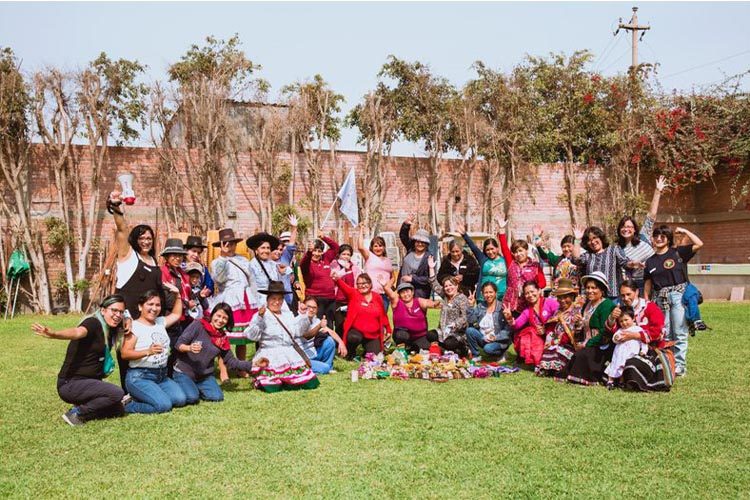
[
  {"x": 676, "y": 327},
  {"x": 690, "y": 301},
  {"x": 322, "y": 363},
  {"x": 476, "y": 340},
  {"x": 152, "y": 391},
  {"x": 206, "y": 389}
]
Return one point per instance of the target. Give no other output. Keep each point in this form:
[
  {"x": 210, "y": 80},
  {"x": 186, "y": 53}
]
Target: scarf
[
  {"x": 218, "y": 337},
  {"x": 109, "y": 362}
]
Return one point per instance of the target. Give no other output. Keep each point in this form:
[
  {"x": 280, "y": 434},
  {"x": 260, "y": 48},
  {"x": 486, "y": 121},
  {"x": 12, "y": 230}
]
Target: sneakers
[
  {"x": 127, "y": 398},
  {"x": 72, "y": 418},
  {"x": 680, "y": 371},
  {"x": 700, "y": 325}
]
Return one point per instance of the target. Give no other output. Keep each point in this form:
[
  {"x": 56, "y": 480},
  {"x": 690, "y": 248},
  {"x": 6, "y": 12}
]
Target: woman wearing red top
[
  {"x": 522, "y": 270},
  {"x": 365, "y": 318},
  {"x": 316, "y": 272}
]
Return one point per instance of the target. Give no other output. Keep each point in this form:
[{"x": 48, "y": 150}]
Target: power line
[
  {"x": 617, "y": 60},
  {"x": 602, "y": 54},
  {"x": 707, "y": 64},
  {"x": 611, "y": 51}
]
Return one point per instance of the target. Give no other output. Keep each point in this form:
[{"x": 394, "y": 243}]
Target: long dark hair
[
  {"x": 136, "y": 233},
  {"x": 636, "y": 239},
  {"x": 596, "y": 232},
  {"x": 488, "y": 242},
  {"x": 223, "y": 306}
]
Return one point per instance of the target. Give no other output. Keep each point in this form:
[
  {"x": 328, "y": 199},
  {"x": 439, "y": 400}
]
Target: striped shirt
[
  {"x": 611, "y": 261},
  {"x": 640, "y": 253}
]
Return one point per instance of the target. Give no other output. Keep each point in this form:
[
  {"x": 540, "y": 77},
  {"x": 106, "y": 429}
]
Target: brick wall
[{"x": 538, "y": 201}]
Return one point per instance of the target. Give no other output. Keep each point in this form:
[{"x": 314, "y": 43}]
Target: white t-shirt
[
  {"x": 146, "y": 335},
  {"x": 487, "y": 325}
]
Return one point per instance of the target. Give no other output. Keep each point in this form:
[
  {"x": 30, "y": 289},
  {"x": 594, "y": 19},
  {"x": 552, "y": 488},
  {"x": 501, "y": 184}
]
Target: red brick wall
[{"x": 540, "y": 201}]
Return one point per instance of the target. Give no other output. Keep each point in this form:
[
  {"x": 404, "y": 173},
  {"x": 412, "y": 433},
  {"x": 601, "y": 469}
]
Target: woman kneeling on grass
[
  {"x": 198, "y": 346},
  {"x": 529, "y": 327},
  {"x": 147, "y": 349},
  {"x": 488, "y": 328},
  {"x": 280, "y": 363},
  {"x": 87, "y": 362},
  {"x": 366, "y": 319}
]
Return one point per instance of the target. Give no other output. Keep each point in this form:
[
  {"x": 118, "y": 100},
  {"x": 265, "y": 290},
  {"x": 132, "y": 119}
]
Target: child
[
  {"x": 563, "y": 264},
  {"x": 624, "y": 350},
  {"x": 691, "y": 297},
  {"x": 197, "y": 303}
]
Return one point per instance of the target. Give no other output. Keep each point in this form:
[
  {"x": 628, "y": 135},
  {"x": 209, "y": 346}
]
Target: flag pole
[{"x": 325, "y": 220}]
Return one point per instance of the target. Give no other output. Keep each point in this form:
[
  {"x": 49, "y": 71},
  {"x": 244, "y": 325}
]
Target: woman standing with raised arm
[
  {"x": 493, "y": 259},
  {"x": 667, "y": 275},
  {"x": 137, "y": 269},
  {"x": 635, "y": 241},
  {"x": 414, "y": 268},
  {"x": 87, "y": 362},
  {"x": 377, "y": 264},
  {"x": 462, "y": 266},
  {"x": 316, "y": 272}
]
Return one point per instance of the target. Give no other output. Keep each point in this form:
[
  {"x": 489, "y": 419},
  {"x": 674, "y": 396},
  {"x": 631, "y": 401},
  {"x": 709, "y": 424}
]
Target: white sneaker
[
  {"x": 332, "y": 371},
  {"x": 680, "y": 371}
]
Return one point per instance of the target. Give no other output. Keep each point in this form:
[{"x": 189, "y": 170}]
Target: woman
[
  {"x": 563, "y": 265},
  {"x": 558, "y": 344},
  {"x": 600, "y": 257},
  {"x": 347, "y": 271},
  {"x": 377, "y": 264},
  {"x": 414, "y": 268},
  {"x": 635, "y": 241},
  {"x": 198, "y": 346},
  {"x": 316, "y": 272},
  {"x": 235, "y": 285},
  {"x": 493, "y": 265},
  {"x": 147, "y": 349},
  {"x": 263, "y": 267},
  {"x": 594, "y": 352},
  {"x": 667, "y": 275},
  {"x": 173, "y": 274},
  {"x": 522, "y": 270},
  {"x": 366, "y": 319},
  {"x": 409, "y": 316},
  {"x": 529, "y": 327},
  {"x": 488, "y": 328},
  {"x": 451, "y": 335},
  {"x": 87, "y": 362},
  {"x": 652, "y": 371},
  {"x": 137, "y": 270},
  {"x": 462, "y": 266},
  {"x": 283, "y": 256},
  {"x": 279, "y": 363}
]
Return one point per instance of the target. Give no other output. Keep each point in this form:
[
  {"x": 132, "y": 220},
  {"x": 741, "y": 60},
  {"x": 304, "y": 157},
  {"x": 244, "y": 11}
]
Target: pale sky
[{"x": 347, "y": 42}]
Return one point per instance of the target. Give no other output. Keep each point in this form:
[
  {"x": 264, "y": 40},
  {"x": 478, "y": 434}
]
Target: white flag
[{"x": 348, "y": 196}]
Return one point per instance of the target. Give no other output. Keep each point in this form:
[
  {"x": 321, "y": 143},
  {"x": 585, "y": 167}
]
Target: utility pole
[{"x": 634, "y": 28}]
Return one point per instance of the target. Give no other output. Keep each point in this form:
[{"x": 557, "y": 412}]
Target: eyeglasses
[
  {"x": 116, "y": 312},
  {"x": 363, "y": 284}
]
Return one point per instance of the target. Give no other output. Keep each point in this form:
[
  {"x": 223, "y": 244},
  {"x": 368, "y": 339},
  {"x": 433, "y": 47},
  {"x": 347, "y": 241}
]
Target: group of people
[{"x": 616, "y": 314}]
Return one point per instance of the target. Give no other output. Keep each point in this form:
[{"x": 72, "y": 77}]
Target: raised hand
[
  {"x": 323, "y": 322},
  {"x": 301, "y": 308},
  {"x": 115, "y": 197},
  {"x": 171, "y": 288},
  {"x": 501, "y": 223},
  {"x": 661, "y": 183},
  {"x": 262, "y": 311},
  {"x": 536, "y": 230},
  {"x": 578, "y": 232},
  {"x": 461, "y": 228},
  {"x": 507, "y": 312},
  {"x": 42, "y": 331},
  {"x": 472, "y": 299},
  {"x": 431, "y": 261},
  {"x": 409, "y": 219},
  {"x": 205, "y": 292},
  {"x": 679, "y": 230},
  {"x": 292, "y": 220}
]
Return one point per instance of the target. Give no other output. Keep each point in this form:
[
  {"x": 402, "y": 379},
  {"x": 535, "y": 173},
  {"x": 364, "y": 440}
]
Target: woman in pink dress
[
  {"x": 376, "y": 264},
  {"x": 529, "y": 327}
]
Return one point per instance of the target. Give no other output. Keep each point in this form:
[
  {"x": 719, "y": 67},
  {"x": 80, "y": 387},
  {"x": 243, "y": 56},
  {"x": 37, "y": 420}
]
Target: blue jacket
[{"x": 502, "y": 330}]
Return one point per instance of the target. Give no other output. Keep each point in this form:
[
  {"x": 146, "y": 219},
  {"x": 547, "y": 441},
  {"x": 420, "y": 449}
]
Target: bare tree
[
  {"x": 313, "y": 107},
  {"x": 57, "y": 120},
  {"x": 196, "y": 132},
  {"x": 15, "y": 150},
  {"x": 375, "y": 117}
]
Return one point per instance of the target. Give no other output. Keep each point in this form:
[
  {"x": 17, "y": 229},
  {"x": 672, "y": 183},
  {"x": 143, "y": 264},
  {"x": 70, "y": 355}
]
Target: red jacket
[
  {"x": 179, "y": 278},
  {"x": 355, "y": 309},
  {"x": 317, "y": 275}
]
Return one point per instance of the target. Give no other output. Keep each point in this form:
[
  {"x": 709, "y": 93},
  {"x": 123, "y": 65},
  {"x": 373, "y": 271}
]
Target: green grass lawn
[{"x": 513, "y": 436}]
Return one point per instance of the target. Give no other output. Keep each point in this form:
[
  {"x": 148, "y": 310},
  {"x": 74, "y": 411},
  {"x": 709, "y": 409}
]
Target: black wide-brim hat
[
  {"x": 256, "y": 240},
  {"x": 194, "y": 242},
  {"x": 226, "y": 235},
  {"x": 274, "y": 287}
]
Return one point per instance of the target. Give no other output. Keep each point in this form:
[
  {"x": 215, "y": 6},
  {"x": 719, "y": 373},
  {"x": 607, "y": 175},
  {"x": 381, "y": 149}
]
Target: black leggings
[
  {"x": 451, "y": 343},
  {"x": 354, "y": 338},
  {"x": 402, "y": 336},
  {"x": 339, "y": 317},
  {"x": 94, "y": 398}
]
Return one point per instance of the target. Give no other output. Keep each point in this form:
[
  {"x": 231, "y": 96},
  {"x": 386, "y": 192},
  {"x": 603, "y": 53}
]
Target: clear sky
[{"x": 348, "y": 42}]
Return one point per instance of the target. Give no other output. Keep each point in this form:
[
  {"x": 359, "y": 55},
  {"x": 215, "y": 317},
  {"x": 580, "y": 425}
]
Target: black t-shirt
[
  {"x": 85, "y": 357},
  {"x": 669, "y": 268}
]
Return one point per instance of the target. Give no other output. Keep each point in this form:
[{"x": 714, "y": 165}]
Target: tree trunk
[{"x": 569, "y": 185}]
